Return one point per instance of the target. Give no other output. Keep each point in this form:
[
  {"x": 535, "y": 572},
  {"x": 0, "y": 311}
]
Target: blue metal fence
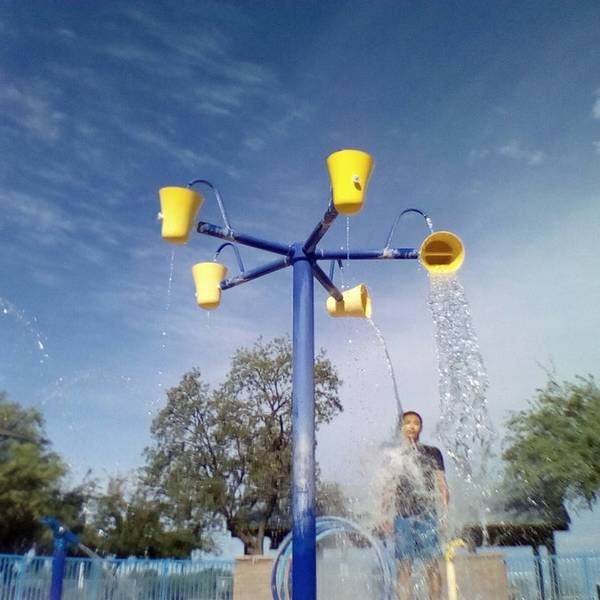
[
  {"x": 28, "y": 578},
  {"x": 560, "y": 577}
]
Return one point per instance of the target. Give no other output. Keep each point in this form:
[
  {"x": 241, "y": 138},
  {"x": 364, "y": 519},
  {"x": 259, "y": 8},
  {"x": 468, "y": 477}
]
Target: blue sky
[{"x": 486, "y": 115}]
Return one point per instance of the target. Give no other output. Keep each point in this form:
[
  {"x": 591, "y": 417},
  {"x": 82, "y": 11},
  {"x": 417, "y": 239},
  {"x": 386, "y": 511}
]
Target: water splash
[
  {"x": 390, "y": 366},
  {"x": 8, "y": 309},
  {"x": 464, "y": 427}
]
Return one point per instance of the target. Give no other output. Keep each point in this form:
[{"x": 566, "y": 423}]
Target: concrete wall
[
  {"x": 252, "y": 578},
  {"x": 478, "y": 577}
]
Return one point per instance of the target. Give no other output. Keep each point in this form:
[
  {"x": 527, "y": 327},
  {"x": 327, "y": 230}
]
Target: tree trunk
[{"x": 253, "y": 544}]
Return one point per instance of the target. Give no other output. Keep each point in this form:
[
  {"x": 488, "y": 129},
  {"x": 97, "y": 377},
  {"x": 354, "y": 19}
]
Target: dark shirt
[{"x": 417, "y": 496}]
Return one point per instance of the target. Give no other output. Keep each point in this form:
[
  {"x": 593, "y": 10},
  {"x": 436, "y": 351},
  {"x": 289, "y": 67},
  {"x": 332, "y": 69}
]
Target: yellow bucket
[
  {"x": 178, "y": 207},
  {"x": 355, "y": 303},
  {"x": 442, "y": 252},
  {"x": 349, "y": 171},
  {"x": 207, "y": 279}
]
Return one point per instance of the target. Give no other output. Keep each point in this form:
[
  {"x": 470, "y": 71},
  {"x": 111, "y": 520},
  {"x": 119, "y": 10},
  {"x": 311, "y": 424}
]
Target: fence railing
[
  {"x": 560, "y": 577},
  {"x": 28, "y": 578}
]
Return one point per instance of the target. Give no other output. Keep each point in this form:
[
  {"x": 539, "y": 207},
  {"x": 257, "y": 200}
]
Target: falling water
[
  {"x": 163, "y": 333},
  {"x": 342, "y": 274},
  {"x": 390, "y": 367},
  {"x": 170, "y": 283},
  {"x": 348, "y": 239},
  {"x": 464, "y": 427},
  {"x": 429, "y": 223}
]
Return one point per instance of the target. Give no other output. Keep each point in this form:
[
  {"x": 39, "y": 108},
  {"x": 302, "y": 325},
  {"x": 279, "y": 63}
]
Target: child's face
[{"x": 411, "y": 427}]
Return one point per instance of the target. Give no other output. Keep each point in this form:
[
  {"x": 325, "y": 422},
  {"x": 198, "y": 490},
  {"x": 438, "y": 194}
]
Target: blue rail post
[
  {"x": 62, "y": 538},
  {"x": 58, "y": 566},
  {"x": 304, "y": 564}
]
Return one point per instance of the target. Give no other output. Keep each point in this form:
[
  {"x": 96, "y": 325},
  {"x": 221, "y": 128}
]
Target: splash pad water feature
[{"x": 349, "y": 170}]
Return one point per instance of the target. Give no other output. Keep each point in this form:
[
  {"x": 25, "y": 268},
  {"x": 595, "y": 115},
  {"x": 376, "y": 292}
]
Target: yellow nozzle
[
  {"x": 450, "y": 555},
  {"x": 178, "y": 207},
  {"x": 349, "y": 171},
  {"x": 355, "y": 303},
  {"x": 452, "y": 546},
  {"x": 207, "y": 279},
  {"x": 442, "y": 252}
]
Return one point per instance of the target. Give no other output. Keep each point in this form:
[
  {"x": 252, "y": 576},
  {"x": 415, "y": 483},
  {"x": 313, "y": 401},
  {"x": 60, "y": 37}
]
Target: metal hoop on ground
[{"x": 281, "y": 578}]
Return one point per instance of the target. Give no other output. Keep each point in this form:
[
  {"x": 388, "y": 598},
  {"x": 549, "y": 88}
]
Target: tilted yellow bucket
[
  {"x": 207, "y": 279},
  {"x": 178, "y": 207},
  {"x": 349, "y": 171},
  {"x": 356, "y": 302},
  {"x": 442, "y": 252}
]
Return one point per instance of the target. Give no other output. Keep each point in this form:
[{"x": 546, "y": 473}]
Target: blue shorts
[{"x": 416, "y": 538}]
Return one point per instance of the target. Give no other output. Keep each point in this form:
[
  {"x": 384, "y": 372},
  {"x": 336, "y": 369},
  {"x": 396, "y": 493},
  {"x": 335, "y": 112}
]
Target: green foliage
[
  {"x": 227, "y": 452},
  {"x": 553, "y": 452},
  {"x": 331, "y": 500},
  {"x": 126, "y": 524},
  {"x": 30, "y": 476}
]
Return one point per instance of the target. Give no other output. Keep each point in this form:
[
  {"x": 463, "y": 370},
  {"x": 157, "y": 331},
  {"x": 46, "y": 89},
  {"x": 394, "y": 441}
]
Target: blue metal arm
[
  {"x": 385, "y": 253},
  {"x": 58, "y": 529},
  {"x": 321, "y": 229},
  {"x": 242, "y": 238},
  {"x": 326, "y": 282},
  {"x": 246, "y": 276}
]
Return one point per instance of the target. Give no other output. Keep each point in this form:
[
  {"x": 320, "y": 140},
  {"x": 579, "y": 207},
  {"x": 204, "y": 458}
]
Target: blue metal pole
[
  {"x": 304, "y": 562},
  {"x": 58, "y": 566}
]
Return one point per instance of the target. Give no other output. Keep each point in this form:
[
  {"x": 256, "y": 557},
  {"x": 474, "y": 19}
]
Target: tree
[
  {"x": 131, "y": 524},
  {"x": 30, "y": 476},
  {"x": 331, "y": 500},
  {"x": 226, "y": 453},
  {"x": 553, "y": 453}
]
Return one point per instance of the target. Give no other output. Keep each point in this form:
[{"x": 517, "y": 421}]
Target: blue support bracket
[
  {"x": 62, "y": 538},
  {"x": 304, "y": 258}
]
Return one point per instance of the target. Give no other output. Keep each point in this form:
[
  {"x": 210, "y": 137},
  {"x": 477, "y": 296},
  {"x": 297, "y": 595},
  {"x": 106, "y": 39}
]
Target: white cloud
[
  {"x": 475, "y": 155},
  {"x": 30, "y": 109},
  {"x": 65, "y": 32},
  {"x": 254, "y": 143},
  {"x": 597, "y": 146},
  {"x": 46, "y": 221},
  {"x": 515, "y": 150},
  {"x": 596, "y": 107}
]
